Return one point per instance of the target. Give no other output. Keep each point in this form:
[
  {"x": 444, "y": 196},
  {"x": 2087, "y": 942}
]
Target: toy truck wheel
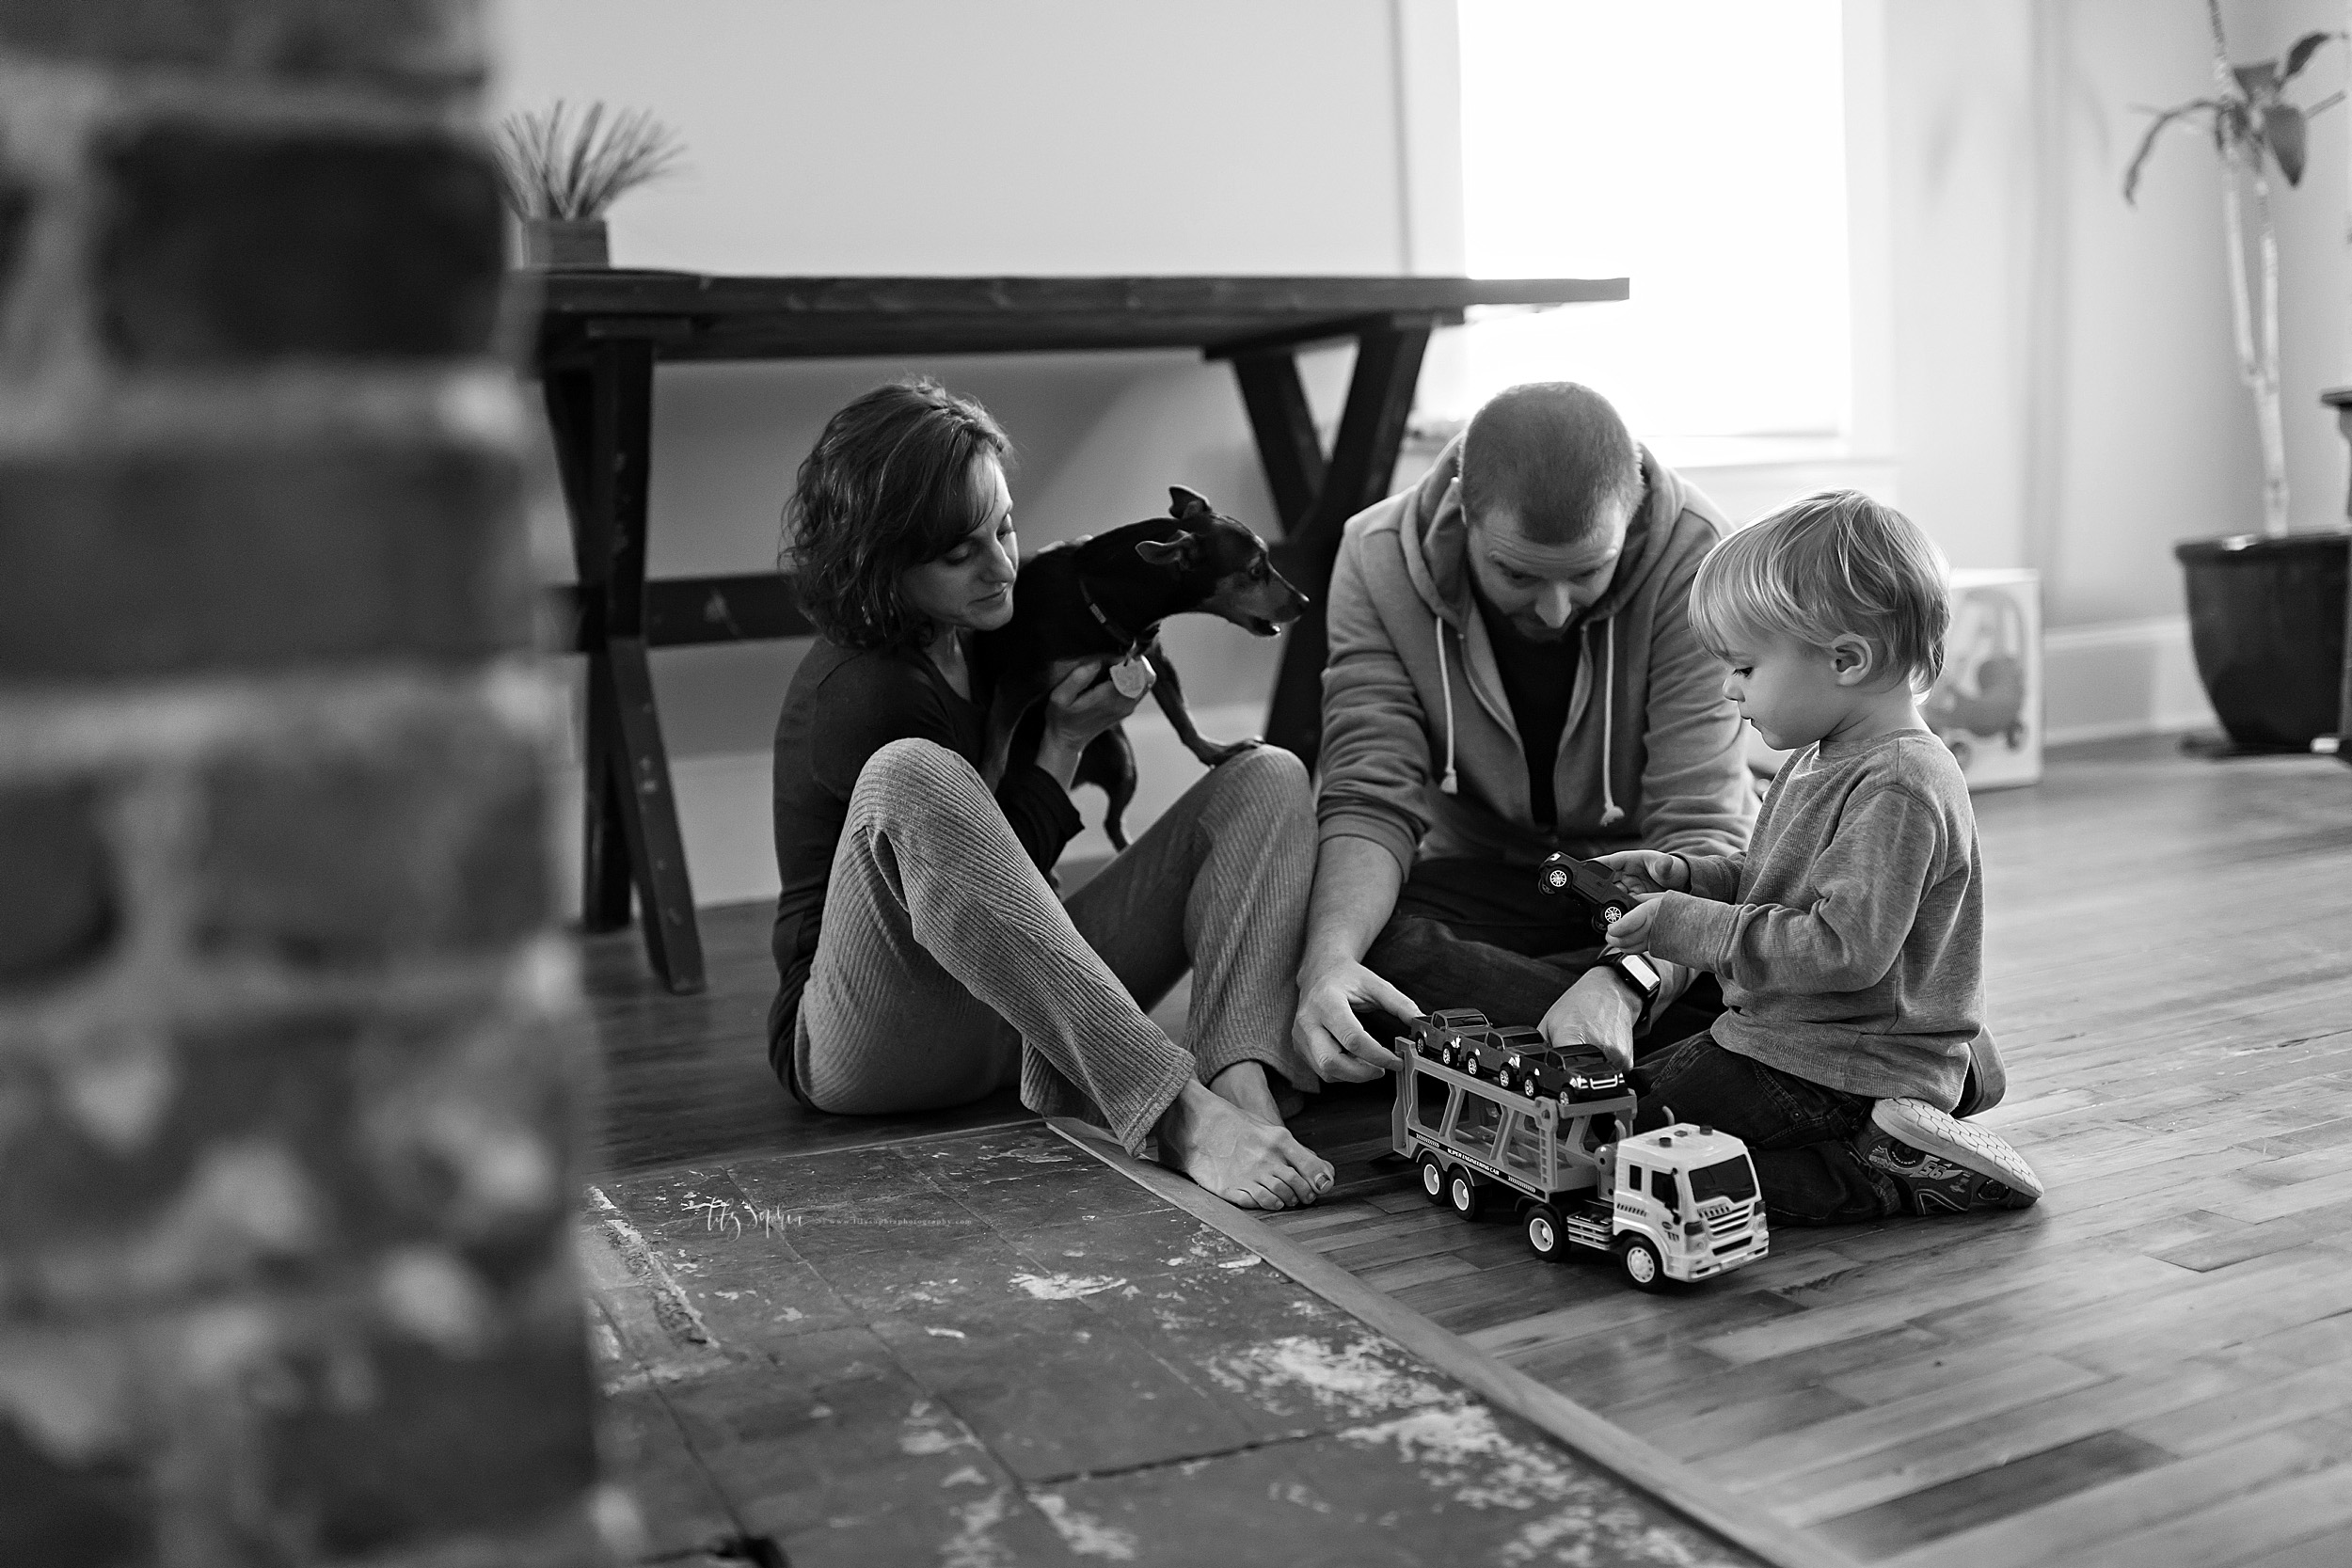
[
  {"x": 1544, "y": 1237},
  {"x": 1431, "y": 1178},
  {"x": 1464, "y": 1196},
  {"x": 1556, "y": 878},
  {"x": 1613, "y": 914},
  {"x": 1643, "y": 1267}
]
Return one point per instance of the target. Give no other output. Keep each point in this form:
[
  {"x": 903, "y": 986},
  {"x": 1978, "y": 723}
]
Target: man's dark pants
[{"x": 1473, "y": 933}]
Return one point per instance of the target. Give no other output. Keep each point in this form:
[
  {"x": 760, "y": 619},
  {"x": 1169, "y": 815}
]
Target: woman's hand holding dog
[{"x": 1082, "y": 705}]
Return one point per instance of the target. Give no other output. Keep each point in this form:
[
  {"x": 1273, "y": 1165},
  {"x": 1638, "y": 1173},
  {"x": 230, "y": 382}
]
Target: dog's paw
[{"x": 1211, "y": 752}]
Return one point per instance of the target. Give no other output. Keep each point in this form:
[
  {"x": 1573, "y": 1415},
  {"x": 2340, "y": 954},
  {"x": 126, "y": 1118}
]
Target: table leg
[
  {"x": 604, "y": 850},
  {"x": 602, "y": 416},
  {"x": 1363, "y": 458}
]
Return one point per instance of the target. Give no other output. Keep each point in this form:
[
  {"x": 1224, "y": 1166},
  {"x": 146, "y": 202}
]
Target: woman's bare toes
[{"x": 1228, "y": 1153}]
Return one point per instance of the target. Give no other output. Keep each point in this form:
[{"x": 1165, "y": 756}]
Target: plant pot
[
  {"x": 2266, "y": 617},
  {"x": 565, "y": 243}
]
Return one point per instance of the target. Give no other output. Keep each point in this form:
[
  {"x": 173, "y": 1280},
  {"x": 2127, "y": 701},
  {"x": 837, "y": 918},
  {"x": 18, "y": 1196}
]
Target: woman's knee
[
  {"x": 910, "y": 775},
  {"x": 1266, "y": 784}
]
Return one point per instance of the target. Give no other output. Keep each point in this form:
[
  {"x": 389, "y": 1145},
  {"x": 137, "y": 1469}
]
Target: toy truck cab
[{"x": 1684, "y": 1203}]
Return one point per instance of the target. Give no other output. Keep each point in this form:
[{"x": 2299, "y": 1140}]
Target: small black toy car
[
  {"x": 1447, "y": 1034},
  {"x": 1492, "y": 1054},
  {"x": 1605, "y": 899},
  {"x": 1573, "y": 1072}
]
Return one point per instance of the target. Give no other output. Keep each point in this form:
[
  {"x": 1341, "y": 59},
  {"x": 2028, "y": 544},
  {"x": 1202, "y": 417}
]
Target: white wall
[
  {"x": 942, "y": 136},
  {"x": 2065, "y": 382}
]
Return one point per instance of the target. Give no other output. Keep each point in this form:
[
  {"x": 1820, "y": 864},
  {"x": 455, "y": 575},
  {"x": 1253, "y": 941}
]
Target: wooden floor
[{"x": 2152, "y": 1367}]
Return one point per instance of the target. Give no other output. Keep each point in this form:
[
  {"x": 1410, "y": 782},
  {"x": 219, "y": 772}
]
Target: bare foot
[
  {"x": 1245, "y": 1085},
  {"x": 1238, "y": 1157}
]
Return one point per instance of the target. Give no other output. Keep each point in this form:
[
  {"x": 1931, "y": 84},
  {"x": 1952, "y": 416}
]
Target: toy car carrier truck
[{"x": 1486, "y": 1114}]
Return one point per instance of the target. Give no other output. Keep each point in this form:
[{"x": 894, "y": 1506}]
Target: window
[
  {"x": 1661, "y": 1187},
  {"x": 1694, "y": 146}
]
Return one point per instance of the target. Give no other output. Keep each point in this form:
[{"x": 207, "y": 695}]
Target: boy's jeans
[{"x": 1800, "y": 1134}]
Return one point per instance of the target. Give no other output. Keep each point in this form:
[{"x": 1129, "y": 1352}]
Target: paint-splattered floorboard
[{"x": 990, "y": 1348}]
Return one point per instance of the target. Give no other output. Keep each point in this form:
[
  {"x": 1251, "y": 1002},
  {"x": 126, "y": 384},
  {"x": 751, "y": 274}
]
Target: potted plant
[
  {"x": 2266, "y": 612},
  {"x": 561, "y": 175}
]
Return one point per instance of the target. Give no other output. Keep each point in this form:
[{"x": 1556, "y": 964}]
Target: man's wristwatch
[{"x": 1639, "y": 972}]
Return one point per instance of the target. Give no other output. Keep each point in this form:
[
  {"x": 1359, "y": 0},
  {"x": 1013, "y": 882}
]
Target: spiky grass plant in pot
[
  {"x": 561, "y": 173},
  {"x": 2266, "y": 612}
]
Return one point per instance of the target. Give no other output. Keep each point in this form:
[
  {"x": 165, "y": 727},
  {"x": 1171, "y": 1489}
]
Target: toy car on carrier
[{"x": 1680, "y": 1203}]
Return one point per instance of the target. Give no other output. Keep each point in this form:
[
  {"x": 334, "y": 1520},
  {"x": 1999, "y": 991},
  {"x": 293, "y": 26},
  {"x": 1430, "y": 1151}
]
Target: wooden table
[{"x": 602, "y": 332}]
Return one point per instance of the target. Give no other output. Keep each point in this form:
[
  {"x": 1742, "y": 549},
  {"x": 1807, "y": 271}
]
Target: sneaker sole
[{"x": 1922, "y": 1126}]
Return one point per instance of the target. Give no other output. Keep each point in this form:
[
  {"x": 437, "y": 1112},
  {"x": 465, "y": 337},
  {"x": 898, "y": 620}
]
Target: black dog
[{"x": 1104, "y": 596}]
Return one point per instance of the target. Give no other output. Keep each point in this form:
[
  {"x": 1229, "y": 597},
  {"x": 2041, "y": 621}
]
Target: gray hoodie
[{"x": 1420, "y": 754}]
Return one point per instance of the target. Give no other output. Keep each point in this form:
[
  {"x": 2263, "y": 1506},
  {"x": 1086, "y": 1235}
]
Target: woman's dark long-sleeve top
[{"x": 844, "y": 706}]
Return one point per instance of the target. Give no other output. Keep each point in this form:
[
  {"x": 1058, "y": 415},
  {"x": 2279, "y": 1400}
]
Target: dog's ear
[
  {"x": 1184, "y": 505},
  {"x": 1175, "y": 554}
]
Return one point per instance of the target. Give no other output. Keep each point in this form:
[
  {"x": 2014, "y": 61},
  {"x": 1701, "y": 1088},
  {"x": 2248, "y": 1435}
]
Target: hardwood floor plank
[
  {"x": 1935, "y": 1512},
  {"x": 1769, "y": 1462},
  {"x": 2227, "y": 1534},
  {"x": 2052, "y": 1532},
  {"x": 1987, "y": 1442}
]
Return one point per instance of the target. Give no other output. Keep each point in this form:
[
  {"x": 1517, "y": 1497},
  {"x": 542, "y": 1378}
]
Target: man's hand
[
  {"x": 1630, "y": 933},
  {"x": 1600, "y": 1009},
  {"x": 1647, "y": 870},
  {"x": 1326, "y": 1030}
]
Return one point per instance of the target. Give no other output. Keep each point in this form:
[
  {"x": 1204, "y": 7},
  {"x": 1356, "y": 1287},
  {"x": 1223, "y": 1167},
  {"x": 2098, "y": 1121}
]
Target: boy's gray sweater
[{"x": 1850, "y": 938}]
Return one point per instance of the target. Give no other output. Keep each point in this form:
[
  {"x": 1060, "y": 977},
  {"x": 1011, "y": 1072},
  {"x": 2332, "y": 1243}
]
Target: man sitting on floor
[{"x": 1512, "y": 672}]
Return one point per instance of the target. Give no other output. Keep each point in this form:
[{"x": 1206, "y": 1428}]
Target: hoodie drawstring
[
  {"x": 1448, "y": 784},
  {"x": 1610, "y": 812}
]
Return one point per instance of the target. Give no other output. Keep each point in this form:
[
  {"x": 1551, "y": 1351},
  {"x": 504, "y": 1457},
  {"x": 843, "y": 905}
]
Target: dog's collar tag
[{"x": 1131, "y": 677}]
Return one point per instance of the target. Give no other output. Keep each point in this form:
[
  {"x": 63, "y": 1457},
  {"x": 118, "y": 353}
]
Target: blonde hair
[{"x": 1832, "y": 565}]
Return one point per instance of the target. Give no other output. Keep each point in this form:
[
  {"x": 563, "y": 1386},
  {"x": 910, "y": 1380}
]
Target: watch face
[{"x": 1639, "y": 970}]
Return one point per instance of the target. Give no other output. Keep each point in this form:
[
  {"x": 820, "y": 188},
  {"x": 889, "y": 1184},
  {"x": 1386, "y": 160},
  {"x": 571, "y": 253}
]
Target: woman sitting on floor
[{"x": 925, "y": 958}]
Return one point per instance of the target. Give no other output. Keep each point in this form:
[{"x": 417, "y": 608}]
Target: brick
[
  {"x": 423, "y": 42},
  {"x": 429, "y": 842},
  {"x": 285, "y": 1150},
  {"x": 60, "y": 912},
  {"x": 16, "y": 213},
  {"x": 225, "y": 246},
  {"x": 165, "y": 562},
  {"x": 449, "y": 1444},
  {"x": 92, "y": 1511}
]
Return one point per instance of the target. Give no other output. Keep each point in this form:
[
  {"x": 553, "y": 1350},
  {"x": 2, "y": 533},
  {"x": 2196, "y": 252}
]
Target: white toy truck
[{"x": 1483, "y": 1111}]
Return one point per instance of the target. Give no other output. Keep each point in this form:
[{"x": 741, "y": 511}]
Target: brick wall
[{"x": 289, "y": 1057}]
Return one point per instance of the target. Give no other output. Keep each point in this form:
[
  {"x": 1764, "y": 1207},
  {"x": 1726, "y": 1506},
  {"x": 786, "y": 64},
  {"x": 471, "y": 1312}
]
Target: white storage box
[{"x": 1988, "y": 705}]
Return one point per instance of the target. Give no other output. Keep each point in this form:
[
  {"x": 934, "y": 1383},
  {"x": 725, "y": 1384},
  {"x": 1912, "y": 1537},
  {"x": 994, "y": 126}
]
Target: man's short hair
[
  {"x": 1832, "y": 563},
  {"x": 1555, "y": 454}
]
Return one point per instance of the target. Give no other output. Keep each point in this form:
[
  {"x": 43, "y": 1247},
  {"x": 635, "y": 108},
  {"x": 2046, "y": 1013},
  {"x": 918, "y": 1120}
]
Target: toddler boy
[{"x": 1848, "y": 938}]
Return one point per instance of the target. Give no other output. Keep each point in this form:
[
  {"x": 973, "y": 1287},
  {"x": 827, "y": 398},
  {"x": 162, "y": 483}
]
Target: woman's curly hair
[{"x": 887, "y": 486}]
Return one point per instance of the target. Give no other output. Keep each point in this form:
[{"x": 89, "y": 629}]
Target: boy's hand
[
  {"x": 1631, "y": 933},
  {"x": 1647, "y": 870}
]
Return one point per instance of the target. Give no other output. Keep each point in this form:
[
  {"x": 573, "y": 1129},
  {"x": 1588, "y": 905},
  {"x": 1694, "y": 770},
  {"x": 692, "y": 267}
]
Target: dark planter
[
  {"x": 566, "y": 244},
  {"x": 2266, "y": 619}
]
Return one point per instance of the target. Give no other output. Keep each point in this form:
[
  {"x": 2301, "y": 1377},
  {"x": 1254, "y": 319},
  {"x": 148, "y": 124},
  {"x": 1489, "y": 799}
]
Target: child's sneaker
[{"x": 1946, "y": 1166}]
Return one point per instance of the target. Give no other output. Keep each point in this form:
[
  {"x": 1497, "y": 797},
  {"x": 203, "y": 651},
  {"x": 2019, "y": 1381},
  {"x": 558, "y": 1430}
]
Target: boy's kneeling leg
[{"x": 1800, "y": 1134}]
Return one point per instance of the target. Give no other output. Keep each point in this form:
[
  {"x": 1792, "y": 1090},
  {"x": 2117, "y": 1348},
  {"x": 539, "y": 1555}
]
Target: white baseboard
[
  {"x": 2116, "y": 678},
  {"x": 725, "y": 807}
]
